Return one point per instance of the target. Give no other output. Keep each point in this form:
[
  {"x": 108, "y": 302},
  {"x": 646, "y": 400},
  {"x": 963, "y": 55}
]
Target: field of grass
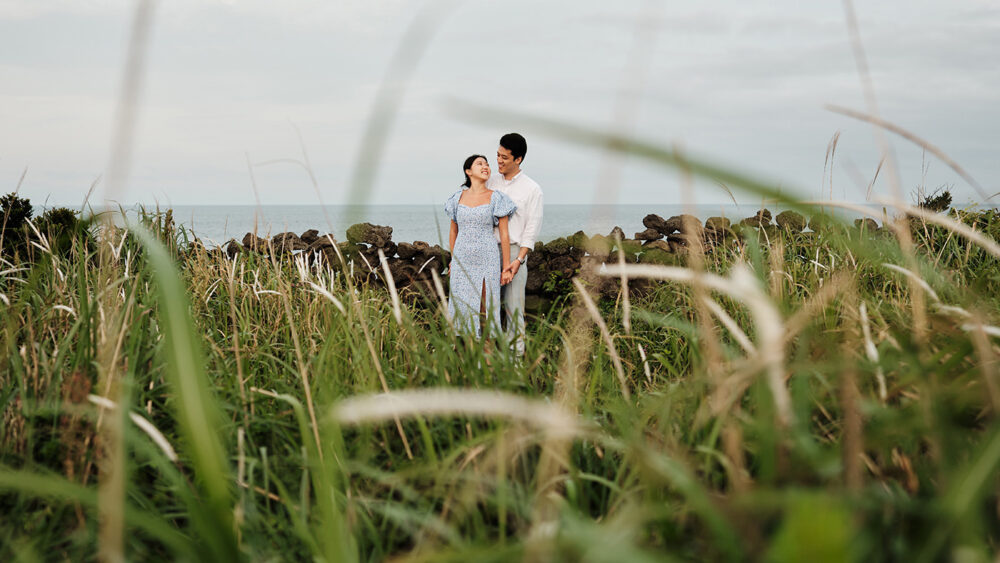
[{"x": 824, "y": 396}]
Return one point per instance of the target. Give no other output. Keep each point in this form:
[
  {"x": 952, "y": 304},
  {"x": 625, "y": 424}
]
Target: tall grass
[{"x": 773, "y": 403}]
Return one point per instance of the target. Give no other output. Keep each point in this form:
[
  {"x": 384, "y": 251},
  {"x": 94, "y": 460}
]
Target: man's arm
[{"x": 532, "y": 227}]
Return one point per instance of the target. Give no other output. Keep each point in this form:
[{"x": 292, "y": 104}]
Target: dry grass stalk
[
  {"x": 727, "y": 321},
  {"x": 626, "y": 300},
  {"x": 549, "y": 418},
  {"x": 146, "y": 426},
  {"x": 888, "y": 126},
  {"x": 396, "y": 312},
  {"x": 872, "y": 352},
  {"x": 605, "y": 334},
  {"x": 741, "y": 285}
]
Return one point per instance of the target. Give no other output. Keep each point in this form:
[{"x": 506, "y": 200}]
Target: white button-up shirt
[{"x": 526, "y": 222}]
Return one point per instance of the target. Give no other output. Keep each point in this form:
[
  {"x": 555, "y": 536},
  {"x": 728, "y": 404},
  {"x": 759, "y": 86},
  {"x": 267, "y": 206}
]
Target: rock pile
[{"x": 551, "y": 265}]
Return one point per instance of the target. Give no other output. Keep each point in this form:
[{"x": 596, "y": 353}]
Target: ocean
[{"x": 216, "y": 224}]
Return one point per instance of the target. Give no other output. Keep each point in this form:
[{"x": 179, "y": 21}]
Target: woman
[{"x": 476, "y": 260}]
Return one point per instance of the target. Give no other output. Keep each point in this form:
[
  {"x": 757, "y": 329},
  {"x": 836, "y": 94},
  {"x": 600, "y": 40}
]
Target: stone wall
[{"x": 551, "y": 265}]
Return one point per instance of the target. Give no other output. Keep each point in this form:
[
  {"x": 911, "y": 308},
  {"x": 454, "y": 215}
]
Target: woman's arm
[
  {"x": 452, "y": 235},
  {"x": 504, "y": 242}
]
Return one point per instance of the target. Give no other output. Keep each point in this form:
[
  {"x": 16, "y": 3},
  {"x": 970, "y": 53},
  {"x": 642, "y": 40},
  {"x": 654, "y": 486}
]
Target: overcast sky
[{"x": 742, "y": 83}]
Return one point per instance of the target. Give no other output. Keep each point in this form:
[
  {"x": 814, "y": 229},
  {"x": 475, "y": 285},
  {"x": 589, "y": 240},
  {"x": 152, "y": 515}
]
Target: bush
[
  {"x": 60, "y": 225},
  {"x": 14, "y": 215}
]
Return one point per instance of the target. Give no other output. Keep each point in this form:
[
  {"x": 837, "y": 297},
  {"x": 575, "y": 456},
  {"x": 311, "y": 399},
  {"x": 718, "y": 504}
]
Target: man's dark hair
[
  {"x": 468, "y": 165},
  {"x": 516, "y": 144}
]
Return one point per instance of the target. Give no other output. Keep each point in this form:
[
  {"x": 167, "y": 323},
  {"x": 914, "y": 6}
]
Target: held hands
[
  {"x": 505, "y": 277},
  {"x": 509, "y": 272}
]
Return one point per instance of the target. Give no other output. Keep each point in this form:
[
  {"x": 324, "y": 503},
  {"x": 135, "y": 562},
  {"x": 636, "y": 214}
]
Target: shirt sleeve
[
  {"x": 533, "y": 222},
  {"x": 451, "y": 206}
]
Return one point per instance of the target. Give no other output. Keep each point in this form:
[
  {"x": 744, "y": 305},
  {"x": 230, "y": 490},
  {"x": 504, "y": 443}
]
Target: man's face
[{"x": 506, "y": 162}]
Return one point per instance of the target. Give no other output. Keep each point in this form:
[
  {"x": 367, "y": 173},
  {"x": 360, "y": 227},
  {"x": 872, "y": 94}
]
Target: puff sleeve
[
  {"x": 451, "y": 206},
  {"x": 503, "y": 206}
]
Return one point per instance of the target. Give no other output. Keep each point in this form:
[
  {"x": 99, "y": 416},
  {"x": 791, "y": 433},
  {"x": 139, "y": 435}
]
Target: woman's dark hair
[
  {"x": 516, "y": 144},
  {"x": 468, "y": 165}
]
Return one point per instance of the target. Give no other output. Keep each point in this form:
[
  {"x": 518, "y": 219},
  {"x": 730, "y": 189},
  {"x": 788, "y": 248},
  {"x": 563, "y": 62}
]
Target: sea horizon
[{"x": 214, "y": 224}]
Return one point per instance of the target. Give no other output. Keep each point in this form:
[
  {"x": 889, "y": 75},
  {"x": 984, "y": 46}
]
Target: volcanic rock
[
  {"x": 655, "y": 245},
  {"x": 536, "y": 279},
  {"x": 718, "y": 224},
  {"x": 821, "y": 222},
  {"x": 310, "y": 236},
  {"x": 578, "y": 239},
  {"x": 791, "y": 221},
  {"x": 254, "y": 243},
  {"x": 616, "y": 234},
  {"x": 375, "y": 235},
  {"x": 406, "y": 250},
  {"x": 654, "y": 221},
  {"x": 287, "y": 243},
  {"x": 565, "y": 265},
  {"x": 557, "y": 247},
  {"x": 761, "y": 218},
  {"x": 232, "y": 248},
  {"x": 687, "y": 224},
  {"x": 649, "y": 234},
  {"x": 599, "y": 246}
]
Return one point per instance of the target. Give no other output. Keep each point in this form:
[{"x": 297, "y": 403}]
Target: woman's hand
[{"x": 505, "y": 277}]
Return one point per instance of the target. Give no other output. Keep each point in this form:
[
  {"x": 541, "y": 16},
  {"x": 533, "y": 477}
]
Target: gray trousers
[{"x": 512, "y": 296}]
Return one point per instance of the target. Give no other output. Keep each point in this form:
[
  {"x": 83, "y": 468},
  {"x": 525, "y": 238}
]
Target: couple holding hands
[{"x": 495, "y": 221}]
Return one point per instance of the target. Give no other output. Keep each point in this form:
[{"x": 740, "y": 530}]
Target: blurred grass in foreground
[{"x": 888, "y": 450}]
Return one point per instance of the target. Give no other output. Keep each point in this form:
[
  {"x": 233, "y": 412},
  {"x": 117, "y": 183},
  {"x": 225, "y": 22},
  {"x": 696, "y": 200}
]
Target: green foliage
[
  {"x": 240, "y": 365},
  {"x": 15, "y": 212}
]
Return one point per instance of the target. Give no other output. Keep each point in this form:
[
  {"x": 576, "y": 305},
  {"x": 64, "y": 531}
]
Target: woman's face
[{"x": 480, "y": 169}]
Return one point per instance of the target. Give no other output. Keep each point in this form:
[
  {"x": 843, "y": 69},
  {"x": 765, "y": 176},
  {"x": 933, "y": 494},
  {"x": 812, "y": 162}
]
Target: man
[{"x": 524, "y": 226}]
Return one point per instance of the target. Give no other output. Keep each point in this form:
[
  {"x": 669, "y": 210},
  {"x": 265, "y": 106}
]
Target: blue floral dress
[{"x": 476, "y": 261}]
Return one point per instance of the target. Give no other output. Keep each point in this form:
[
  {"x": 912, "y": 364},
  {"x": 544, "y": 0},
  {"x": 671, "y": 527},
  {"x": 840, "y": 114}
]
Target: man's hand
[
  {"x": 513, "y": 267},
  {"x": 506, "y": 277}
]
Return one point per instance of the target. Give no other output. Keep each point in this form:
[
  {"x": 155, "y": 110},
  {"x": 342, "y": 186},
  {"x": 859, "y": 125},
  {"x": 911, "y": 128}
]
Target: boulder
[
  {"x": 254, "y": 242},
  {"x": 350, "y": 250},
  {"x": 232, "y": 248},
  {"x": 616, "y": 234},
  {"x": 406, "y": 250},
  {"x": 761, "y": 218},
  {"x": 649, "y": 234},
  {"x": 557, "y": 247},
  {"x": 319, "y": 244},
  {"x": 536, "y": 278},
  {"x": 564, "y": 265},
  {"x": 684, "y": 223},
  {"x": 599, "y": 246},
  {"x": 655, "y": 245},
  {"x": 654, "y": 221},
  {"x": 310, "y": 236},
  {"x": 375, "y": 235},
  {"x": 403, "y": 272},
  {"x": 389, "y": 249},
  {"x": 821, "y": 222},
  {"x": 287, "y": 243},
  {"x": 718, "y": 224},
  {"x": 791, "y": 221},
  {"x": 578, "y": 239}
]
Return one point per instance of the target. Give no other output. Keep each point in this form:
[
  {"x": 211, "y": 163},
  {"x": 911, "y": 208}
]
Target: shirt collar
[{"x": 511, "y": 181}]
